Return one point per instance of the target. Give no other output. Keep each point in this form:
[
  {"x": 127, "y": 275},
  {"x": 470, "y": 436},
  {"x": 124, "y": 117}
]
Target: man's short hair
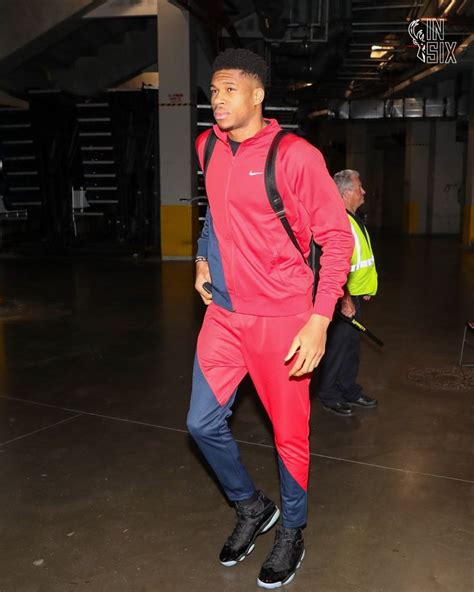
[
  {"x": 344, "y": 179},
  {"x": 242, "y": 59}
]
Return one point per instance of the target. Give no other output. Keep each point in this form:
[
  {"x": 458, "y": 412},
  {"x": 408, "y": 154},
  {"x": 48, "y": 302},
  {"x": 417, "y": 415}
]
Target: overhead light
[
  {"x": 380, "y": 51},
  {"x": 448, "y": 8},
  {"x": 299, "y": 85}
]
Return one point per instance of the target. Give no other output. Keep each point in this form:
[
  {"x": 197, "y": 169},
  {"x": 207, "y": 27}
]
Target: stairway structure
[{"x": 21, "y": 171}]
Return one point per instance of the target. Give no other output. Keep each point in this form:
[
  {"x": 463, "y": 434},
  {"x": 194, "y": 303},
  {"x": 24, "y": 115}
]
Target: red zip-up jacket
[{"x": 254, "y": 266}]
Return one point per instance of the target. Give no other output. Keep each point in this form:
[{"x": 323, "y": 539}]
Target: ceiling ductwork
[
  {"x": 351, "y": 49},
  {"x": 311, "y": 68},
  {"x": 272, "y": 17},
  {"x": 337, "y": 34}
]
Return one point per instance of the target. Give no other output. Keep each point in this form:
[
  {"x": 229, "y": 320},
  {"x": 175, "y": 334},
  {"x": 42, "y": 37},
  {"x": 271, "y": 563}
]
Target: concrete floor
[{"x": 103, "y": 491}]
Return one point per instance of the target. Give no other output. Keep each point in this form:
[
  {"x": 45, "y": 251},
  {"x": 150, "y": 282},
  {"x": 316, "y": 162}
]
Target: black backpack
[{"x": 275, "y": 199}]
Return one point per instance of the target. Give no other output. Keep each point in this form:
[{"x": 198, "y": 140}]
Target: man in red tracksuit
[{"x": 261, "y": 319}]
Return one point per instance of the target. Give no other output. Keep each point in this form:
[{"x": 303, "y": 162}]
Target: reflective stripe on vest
[{"x": 360, "y": 263}]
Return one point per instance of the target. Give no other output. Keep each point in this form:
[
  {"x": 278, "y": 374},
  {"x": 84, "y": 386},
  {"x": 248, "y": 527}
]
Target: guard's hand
[
  {"x": 311, "y": 343},
  {"x": 348, "y": 308},
  {"x": 203, "y": 276}
]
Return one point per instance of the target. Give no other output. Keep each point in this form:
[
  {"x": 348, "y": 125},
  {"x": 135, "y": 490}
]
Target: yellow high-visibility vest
[{"x": 362, "y": 277}]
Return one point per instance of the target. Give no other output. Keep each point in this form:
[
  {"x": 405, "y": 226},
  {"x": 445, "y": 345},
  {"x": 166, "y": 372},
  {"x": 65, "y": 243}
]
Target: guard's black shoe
[
  {"x": 342, "y": 409},
  {"x": 284, "y": 559},
  {"x": 364, "y": 401},
  {"x": 252, "y": 520}
]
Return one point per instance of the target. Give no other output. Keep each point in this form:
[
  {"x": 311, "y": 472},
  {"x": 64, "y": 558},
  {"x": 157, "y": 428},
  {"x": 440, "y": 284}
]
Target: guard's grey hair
[{"x": 344, "y": 180}]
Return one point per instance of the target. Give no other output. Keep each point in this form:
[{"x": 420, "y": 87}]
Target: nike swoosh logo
[{"x": 253, "y": 173}]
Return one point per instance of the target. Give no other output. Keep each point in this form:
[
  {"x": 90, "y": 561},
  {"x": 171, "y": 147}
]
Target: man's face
[
  {"x": 235, "y": 99},
  {"x": 355, "y": 196}
]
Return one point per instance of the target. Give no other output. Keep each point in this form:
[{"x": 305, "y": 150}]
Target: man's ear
[{"x": 259, "y": 95}]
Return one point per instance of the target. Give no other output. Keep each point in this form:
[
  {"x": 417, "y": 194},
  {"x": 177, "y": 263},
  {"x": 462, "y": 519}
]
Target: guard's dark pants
[{"x": 340, "y": 364}]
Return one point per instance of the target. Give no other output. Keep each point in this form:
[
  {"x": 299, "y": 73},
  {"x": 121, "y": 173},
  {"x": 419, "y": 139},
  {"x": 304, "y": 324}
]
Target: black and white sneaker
[
  {"x": 252, "y": 520},
  {"x": 284, "y": 559}
]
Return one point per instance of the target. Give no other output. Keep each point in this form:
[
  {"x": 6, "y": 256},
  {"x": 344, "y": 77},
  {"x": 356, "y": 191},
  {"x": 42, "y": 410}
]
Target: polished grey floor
[{"x": 102, "y": 490}]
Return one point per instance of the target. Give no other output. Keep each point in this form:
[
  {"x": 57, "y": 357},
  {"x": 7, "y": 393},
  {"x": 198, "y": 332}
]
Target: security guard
[{"x": 338, "y": 390}]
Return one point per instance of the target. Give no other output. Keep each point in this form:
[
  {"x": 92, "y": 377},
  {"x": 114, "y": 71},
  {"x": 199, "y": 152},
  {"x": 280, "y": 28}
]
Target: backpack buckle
[{"x": 280, "y": 213}]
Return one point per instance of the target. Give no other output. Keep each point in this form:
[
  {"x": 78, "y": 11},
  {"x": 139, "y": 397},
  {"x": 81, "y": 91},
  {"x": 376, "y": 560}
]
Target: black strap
[
  {"x": 278, "y": 207},
  {"x": 208, "y": 150},
  {"x": 273, "y": 194},
  {"x": 275, "y": 198}
]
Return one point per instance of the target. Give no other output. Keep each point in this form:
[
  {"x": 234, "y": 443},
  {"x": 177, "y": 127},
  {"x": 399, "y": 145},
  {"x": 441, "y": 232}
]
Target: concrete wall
[
  {"x": 447, "y": 179},
  {"x": 392, "y": 200},
  {"x": 415, "y": 187}
]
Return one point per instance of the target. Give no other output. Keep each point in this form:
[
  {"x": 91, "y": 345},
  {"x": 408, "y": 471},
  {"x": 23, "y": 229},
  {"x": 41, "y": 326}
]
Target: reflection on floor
[{"x": 103, "y": 491}]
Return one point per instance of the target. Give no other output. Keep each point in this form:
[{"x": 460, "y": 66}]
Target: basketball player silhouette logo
[{"x": 417, "y": 31}]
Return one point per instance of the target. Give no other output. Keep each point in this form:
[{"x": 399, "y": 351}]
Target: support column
[
  {"x": 468, "y": 214},
  {"x": 447, "y": 174},
  {"x": 417, "y": 175},
  {"x": 177, "y": 124}
]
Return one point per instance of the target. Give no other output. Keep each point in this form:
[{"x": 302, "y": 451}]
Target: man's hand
[
  {"x": 311, "y": 343},
  {"x": 203, "y": 276},
  {"x": 367, "y": 297},
  {"x": 348, "y": 308}
]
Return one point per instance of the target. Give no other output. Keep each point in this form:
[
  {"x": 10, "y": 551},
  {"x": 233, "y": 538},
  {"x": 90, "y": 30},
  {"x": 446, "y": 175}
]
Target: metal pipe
[
  {"x": 448, "y": 8},
  {"x": 361, "y": 65},
  {"x": 381, "y": 23},
  {"x": 388, "y": 7},
  {"x": 357, "y": 65},
  {"x": 357, "y": 77},
  {"x": 379, "y": 31},
  {"x": 392, "y": 43},
  {"x": 368, "y": 50}
]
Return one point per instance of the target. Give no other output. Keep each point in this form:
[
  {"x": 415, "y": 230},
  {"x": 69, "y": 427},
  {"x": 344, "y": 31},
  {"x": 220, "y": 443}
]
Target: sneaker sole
[
  {"x": 264, "y": 528},
  {"x": 363, "y": 406},
  {"x": 284, "y": 582},
  {"x": 329, "y": 410}
]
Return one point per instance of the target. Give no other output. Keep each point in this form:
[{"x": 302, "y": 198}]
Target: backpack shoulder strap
[
  {"x": 273, "y": 194},
  {"x": 208, "y": 150},
  {"x": 278, "y": 207}
]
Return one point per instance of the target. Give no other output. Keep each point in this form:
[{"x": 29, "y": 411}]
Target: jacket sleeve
[
  {"x": 203, "y": 240},
  {"x": 328, "y": 221}
]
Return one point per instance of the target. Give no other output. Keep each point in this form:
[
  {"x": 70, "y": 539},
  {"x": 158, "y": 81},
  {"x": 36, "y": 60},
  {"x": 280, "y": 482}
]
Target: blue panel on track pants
[
  {"x": 294, "y": 499},
  {"x": 207, "y": 424}
]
